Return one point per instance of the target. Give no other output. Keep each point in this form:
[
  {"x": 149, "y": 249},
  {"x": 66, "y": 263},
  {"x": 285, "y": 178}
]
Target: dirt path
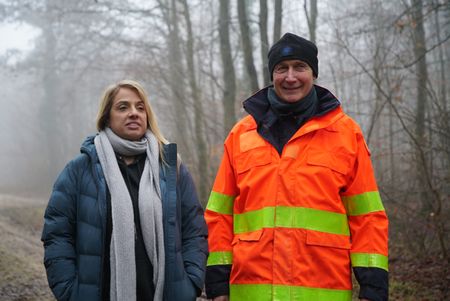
[{"x": 22, "y": 274}]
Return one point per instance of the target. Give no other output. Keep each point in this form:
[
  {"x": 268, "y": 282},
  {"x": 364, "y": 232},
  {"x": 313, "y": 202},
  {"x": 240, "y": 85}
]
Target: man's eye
[
  {"x": 301, "y": 67},
  {"x": 280, "y": 69}
]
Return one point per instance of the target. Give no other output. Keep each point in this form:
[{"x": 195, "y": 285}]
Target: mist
[{"x": 388, "y": 63}]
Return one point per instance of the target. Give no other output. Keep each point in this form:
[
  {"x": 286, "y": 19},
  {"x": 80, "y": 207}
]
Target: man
[{"x": 295, "y": 204}]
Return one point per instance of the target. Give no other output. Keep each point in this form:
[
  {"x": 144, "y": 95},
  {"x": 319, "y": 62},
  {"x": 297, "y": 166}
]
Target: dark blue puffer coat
[{"x": 75, "y": 226}]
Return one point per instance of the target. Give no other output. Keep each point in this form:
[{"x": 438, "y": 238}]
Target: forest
[{"x": 387, "y": 62}]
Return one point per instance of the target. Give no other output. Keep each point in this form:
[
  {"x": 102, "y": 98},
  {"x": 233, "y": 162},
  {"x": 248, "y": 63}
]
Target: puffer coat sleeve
[
  {"x": 194, "y": 230},
  {"x": 59, "y": 232}
]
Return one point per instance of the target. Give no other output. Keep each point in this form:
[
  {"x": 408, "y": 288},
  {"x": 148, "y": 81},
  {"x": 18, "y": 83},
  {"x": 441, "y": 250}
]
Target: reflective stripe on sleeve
[
  {"x": 291, "y": 217},
  {"x": 218, "y": 258},
  {"x": 220, "y": 203},
  {"x": 266, "y": 292},
  {"x": 369, "y": 260},
  {"x": 363, "y": 203}
]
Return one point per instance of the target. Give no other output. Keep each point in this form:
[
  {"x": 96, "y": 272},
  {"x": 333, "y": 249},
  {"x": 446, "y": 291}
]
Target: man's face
[{"x": 292, "y": 80}]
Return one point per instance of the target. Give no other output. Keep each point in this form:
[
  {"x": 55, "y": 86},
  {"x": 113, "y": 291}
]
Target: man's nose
[{"x": 290, "y": 74}]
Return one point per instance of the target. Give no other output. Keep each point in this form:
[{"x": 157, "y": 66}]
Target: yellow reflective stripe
[
  {"x": 216, "y": 258},
  {"x": 369, "y": 260},
  {"x": 220, "y": 203},
  {"x": 363, "y": 203},
  {"x": 254, "y": 220},
  {"x": 268, "y": 292},
  {"x": 291, "y": 217}
]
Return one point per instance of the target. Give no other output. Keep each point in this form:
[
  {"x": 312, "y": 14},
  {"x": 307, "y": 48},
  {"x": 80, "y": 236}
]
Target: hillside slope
[{"x": 22, "y": 274}]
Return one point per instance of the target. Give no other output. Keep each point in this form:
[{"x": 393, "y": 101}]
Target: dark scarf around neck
[{"x": 301, "y": 110}]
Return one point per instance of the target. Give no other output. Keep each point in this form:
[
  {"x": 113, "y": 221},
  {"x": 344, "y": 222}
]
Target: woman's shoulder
[{"x": 87, "y": 155}]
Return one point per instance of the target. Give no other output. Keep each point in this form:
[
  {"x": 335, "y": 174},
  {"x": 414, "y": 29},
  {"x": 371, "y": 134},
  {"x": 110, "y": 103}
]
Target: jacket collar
[
  {"x": 328, "y": 110},
  {"x": 88, "y": 148},
  {"x": 258, "y": 104}
]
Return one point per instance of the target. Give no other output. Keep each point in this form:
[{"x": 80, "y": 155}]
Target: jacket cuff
[
  {"x": 373, "y": 282},
  {"x": 217, "y": 280}
]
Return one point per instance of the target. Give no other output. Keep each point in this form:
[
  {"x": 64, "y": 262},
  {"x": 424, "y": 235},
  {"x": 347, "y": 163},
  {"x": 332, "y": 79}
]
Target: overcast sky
[{"x": 17, "y": 36}]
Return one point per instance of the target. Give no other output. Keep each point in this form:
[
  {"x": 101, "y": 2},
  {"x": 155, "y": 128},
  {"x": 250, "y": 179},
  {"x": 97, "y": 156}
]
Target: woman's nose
[{"x": 133, "y": 111}]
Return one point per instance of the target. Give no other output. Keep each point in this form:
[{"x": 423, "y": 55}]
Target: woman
[{"x": 123, "y": 221}]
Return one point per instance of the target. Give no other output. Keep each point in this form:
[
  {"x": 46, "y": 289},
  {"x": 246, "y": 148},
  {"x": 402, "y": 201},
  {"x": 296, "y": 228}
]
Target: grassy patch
[
  {"x": 403, "y": 291},
  {"x": 28, "y": 218},
  {"x": 20, "y": 280},
  {"x": 13, "y": 269}
]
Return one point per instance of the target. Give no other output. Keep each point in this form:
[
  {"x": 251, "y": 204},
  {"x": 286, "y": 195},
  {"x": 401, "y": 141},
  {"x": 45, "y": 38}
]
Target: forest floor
[{"x": 22, "y": 274}]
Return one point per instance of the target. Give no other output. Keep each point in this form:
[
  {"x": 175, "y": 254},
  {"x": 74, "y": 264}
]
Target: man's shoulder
[
  {"x": 245, "y": 124},
  {"x": 346, "y": 122}
]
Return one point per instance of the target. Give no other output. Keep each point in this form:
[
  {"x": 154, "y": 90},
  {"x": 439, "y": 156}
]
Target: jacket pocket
[
  {"x": 334, "y": 161},
  {"x": 256, "y": 157},
  {"x": 247, "y": 250},
  {"x": 247, "y": 237},
  {"x": 253, "y": 151},
  {"x": 316, "y": 238},
  {"x": 181, "y": 290}
]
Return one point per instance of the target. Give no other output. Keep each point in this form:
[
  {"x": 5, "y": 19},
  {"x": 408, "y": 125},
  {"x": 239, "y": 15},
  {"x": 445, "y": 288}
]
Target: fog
[{"x": 388, "y": 62}]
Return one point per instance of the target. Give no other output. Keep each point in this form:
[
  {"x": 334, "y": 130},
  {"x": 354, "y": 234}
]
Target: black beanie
[{"x": 293, "y": 47}]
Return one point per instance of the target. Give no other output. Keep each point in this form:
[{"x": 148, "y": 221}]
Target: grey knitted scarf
[{"x": 122, "y": 256}]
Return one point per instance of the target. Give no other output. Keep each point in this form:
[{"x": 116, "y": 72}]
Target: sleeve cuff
[
  {"x": 373, "y": 282},
  {"x": 217, "y": 281}
]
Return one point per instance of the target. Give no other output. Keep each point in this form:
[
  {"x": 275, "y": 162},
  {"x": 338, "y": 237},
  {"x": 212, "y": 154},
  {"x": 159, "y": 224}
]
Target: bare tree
[
  {"x": 247, "y": 46},
  {"x": 278, "y": 18},
  {"x": 264, "y": 39},
  {"x": 229, "y": 76},
  {"x": 311, "y": 17},
  {"x": 49, "y": 111},
  {"x": 202, "y": 156},
  {"x": 419, "y": 47},
  {"x": 177, "y": 78}
]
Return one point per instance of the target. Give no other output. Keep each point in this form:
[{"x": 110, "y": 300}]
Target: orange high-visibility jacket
[{"x": 293, "y": 225}]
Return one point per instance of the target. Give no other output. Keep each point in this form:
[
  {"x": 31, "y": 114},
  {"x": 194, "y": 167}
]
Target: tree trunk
[
  {"x": 49, "y": 111},
  {"x": 247, "y": 46},
  {"x": 311, "y": 17},
  {"x": 264, "y": 40},
  {"x": 443, "y": 116},
  {"x": 229, "y": 76},
  {"x": 176, "y": 83},
  {"x": 277, "y": 20},
  {"x": 419, "y": 48},
  {"x": 443, "y": 105},
  {"x": 202, "y": 155},
  {"x": 421, "y": 68}
]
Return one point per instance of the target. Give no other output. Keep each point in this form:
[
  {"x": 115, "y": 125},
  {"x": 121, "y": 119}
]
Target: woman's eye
[{"x": 122, "y": 108}]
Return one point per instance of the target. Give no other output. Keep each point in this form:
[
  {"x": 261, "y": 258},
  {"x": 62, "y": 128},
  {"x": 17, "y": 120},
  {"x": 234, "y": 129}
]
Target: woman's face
[{"x": 128, "y": 118}]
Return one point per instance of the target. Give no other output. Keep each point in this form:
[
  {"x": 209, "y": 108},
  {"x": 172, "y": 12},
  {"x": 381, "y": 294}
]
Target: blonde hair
[{"x": 107, "y": 101}]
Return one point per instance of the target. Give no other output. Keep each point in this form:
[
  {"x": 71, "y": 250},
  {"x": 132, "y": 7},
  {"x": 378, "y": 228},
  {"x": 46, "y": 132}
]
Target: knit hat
[{"x": 293, "y": 47}]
